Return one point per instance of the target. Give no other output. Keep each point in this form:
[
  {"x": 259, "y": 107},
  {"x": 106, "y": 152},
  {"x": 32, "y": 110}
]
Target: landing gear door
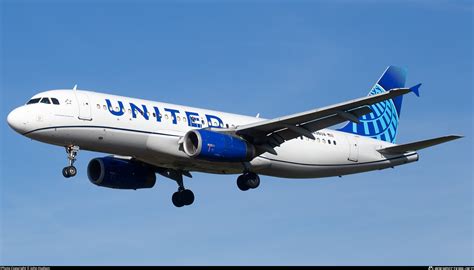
[
  {"x": 353, "y": 148},
  {"x": 84, "y": 107}
]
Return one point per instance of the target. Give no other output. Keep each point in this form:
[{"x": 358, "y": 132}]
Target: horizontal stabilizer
[
  {"x": 414, "y": 146},
  {"x": 416, "y": 89}
]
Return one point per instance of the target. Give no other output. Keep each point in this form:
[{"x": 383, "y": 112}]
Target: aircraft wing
[
  {"x": 414, "y": 146},
  {"x": 273, "y": 132}
]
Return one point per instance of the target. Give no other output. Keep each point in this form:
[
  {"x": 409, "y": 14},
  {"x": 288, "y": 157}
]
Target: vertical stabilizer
[{"x": 382, "y": 123}]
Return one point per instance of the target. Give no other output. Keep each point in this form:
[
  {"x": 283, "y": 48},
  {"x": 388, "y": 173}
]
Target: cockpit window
[
  {"x": 45, "y": 100},
  {"x": 55, "y": 101},
  {"x": 33, "y": 101}
]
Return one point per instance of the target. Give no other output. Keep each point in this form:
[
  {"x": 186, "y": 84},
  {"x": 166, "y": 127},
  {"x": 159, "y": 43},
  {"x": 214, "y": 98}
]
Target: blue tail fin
[{"x": 382, "y": 123}]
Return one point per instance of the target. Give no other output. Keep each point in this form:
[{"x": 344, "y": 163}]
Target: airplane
[{"x": 145, "y": 138}]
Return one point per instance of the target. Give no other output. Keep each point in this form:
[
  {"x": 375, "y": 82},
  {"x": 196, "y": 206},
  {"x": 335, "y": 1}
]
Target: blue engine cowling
[
  {"x": 119, "y": 173},
  {"x": 210, "y": 145}
]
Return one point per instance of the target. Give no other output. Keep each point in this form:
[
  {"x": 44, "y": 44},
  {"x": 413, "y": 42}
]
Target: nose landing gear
[{"x": 70, "y": 170}]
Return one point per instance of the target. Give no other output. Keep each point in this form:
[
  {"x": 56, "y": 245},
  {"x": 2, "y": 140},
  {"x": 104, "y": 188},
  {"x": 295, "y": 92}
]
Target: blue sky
[{"x": 267, "y": 57}]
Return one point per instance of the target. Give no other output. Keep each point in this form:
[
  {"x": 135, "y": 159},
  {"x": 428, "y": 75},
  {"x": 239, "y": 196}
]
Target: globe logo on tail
[{"x": 381, "y": 123}]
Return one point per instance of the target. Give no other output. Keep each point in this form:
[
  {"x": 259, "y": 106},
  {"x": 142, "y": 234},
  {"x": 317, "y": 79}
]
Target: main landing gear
[
  {"x": 248, "y": 180},
  {"x": 183, "y": 196},
  {"x": 70, "y": 170}
]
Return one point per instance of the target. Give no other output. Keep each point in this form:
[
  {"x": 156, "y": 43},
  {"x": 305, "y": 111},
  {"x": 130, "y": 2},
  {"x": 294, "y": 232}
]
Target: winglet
[{"x": 416, "y": 89}]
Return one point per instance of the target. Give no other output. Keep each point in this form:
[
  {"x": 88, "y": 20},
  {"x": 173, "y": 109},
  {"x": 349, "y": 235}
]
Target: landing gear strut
[
  {"x": 183, "y": 196},
  {"x": 248, "y": 180},
  {"x": 70, "y": 170}
]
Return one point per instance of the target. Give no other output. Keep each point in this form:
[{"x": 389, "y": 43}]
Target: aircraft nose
[{"x": 17, "y": 120}]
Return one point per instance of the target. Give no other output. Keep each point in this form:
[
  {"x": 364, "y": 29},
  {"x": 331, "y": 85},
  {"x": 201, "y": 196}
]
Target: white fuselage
[{"x": 112, "y": 124}]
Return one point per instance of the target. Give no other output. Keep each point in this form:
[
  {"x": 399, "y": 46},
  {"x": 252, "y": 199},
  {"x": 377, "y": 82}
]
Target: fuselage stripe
[{"x": 106, "y": 127}]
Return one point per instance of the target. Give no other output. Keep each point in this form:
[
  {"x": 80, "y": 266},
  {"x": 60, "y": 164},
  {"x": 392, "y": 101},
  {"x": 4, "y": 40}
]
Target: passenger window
[
  {"x": 227, "y": 125},
  {"x": 179, "y": 119},
  {"x": 329, "y": 141},
  {"x": 56, "y": 102},
  {"x": 334, "y": 142},
  {"x": 105, "y": 108},
  {"x": 324, "y": 141},
  {"x": 45, "y": 100},
  {"x": 33, "y": 101}
]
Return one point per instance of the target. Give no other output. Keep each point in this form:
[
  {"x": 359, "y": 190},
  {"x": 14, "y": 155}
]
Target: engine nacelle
[
  {"x": 210, "y": 145},
  {"x": 119, "y": 173}
]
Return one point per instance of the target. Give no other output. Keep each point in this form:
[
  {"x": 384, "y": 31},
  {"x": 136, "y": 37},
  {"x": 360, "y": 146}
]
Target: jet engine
[
  {"x": 215, "y": 146},
  {"x": 120, "y": 174}
]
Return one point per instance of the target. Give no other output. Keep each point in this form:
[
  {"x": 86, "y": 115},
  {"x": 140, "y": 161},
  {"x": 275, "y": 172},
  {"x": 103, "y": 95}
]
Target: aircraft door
[
  {"x": 353, "y": 148},
  {"x": 84, "y": 107}
]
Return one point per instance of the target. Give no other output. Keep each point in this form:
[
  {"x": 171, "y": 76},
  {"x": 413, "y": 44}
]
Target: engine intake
[
  {"x": 210, "y": 145},
  {"x": 120, "y": 174}
]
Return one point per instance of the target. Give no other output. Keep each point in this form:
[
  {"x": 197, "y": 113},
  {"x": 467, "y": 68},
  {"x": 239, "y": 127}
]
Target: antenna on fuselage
[
  {"x": 75, "y": 87},
  {"x": 258, "y": 115}
]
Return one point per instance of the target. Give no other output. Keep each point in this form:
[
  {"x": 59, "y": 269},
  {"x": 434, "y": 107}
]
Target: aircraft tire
[
  {"x": 242, "y": 183},
  {"x": 187, "y": 197},
  {"x": 253, "y": 180},
  {"x": 66, "y": 172},
  {"x": 71, "y": 170},
  {"x": 177, "y": 199}
]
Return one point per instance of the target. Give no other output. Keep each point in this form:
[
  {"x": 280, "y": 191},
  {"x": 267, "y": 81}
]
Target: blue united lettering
[{"x": 193, "y": 118}]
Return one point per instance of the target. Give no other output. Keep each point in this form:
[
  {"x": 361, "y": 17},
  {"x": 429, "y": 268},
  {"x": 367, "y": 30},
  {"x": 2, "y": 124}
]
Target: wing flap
[{"x": 414, "y": 146}]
